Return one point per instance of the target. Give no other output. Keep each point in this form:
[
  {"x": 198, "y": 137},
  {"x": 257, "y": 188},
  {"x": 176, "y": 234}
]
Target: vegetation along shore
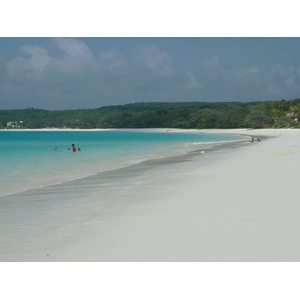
[{"x": 267, "y": 114}]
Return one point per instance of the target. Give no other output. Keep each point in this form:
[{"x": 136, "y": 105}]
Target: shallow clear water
[{"x": 28, "y": 159}]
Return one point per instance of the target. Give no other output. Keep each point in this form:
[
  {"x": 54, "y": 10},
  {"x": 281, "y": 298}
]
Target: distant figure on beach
[
  {"x": 73, "y": 148},
  {"x": 252, "y": 141}
]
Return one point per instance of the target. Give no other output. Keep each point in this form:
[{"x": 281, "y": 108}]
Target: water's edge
[{"x": 131, "y": 169}]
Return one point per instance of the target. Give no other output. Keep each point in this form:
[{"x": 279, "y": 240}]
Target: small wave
[{"x": 214, "y": 142}]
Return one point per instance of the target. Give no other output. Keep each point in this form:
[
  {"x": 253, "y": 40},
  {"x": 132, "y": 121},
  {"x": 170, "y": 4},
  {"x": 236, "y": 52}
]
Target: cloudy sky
[{"x": 71, "y": 73}]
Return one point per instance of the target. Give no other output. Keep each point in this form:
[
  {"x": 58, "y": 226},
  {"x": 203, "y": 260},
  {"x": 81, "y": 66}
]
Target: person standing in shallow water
[{"x": 73, "y": 148}]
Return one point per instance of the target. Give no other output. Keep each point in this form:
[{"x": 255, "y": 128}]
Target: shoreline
[
  {"x": 145, "y": 160},
  {"x": 138, "y": 129},
  {"x": 230, "y": 204}
]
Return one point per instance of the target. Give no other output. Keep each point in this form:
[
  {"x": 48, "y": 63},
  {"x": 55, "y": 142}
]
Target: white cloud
[
  {"x": 158, "y": 61},
  {"x": 273, "y": 89},
  {"x": 74, "y": 48},
  {"x": 290, "y": 82},
  {"x": 76, "y": 58},
  {"x": 253, "y": 70},
  {"x": 112, "y": 57},
  {"x": 213, "y": 62},
  {"x": 245, "y": 73},
  {"x": 193, "y": 82},
  {"x": 38, "y": 60},
  {"x": 283, "y": 71},
  {"x": 281, "y": 78}
]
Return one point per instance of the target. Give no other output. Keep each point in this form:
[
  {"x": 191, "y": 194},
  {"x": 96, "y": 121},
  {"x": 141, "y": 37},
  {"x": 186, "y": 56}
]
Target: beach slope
[{"x": 232, "y": 204}]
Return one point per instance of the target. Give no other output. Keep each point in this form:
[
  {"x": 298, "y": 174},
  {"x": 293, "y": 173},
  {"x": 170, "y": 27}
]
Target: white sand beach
[{"x": 236, "y": 204}]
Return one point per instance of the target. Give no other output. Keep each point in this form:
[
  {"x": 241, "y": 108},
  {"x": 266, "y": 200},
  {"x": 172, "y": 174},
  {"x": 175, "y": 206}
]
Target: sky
[
  {"x": 73, "y": 73},
  {"x": 74, "y": 69}
]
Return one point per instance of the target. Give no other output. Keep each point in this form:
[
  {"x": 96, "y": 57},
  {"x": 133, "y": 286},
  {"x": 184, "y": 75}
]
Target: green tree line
[{"x": 281, "y": 113}]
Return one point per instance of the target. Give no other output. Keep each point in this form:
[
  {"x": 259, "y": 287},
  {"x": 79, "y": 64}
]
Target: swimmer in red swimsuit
[{"x": 73, "y": 148}]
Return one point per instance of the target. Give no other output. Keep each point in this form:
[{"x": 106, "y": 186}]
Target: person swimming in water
[{"x": 73, "y": 148}]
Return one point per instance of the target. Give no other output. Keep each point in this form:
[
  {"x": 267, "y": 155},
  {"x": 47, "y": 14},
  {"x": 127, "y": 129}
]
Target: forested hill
[
  {"x": 283, "y": 113},
  {"x": 152, "y": 106}
]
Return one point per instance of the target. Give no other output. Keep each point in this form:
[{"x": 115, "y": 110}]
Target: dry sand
[{"x": 238, "y": 205}]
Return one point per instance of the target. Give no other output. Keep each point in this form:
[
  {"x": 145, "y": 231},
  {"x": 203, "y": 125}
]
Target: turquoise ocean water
[{"x": 28, "y": 159}]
